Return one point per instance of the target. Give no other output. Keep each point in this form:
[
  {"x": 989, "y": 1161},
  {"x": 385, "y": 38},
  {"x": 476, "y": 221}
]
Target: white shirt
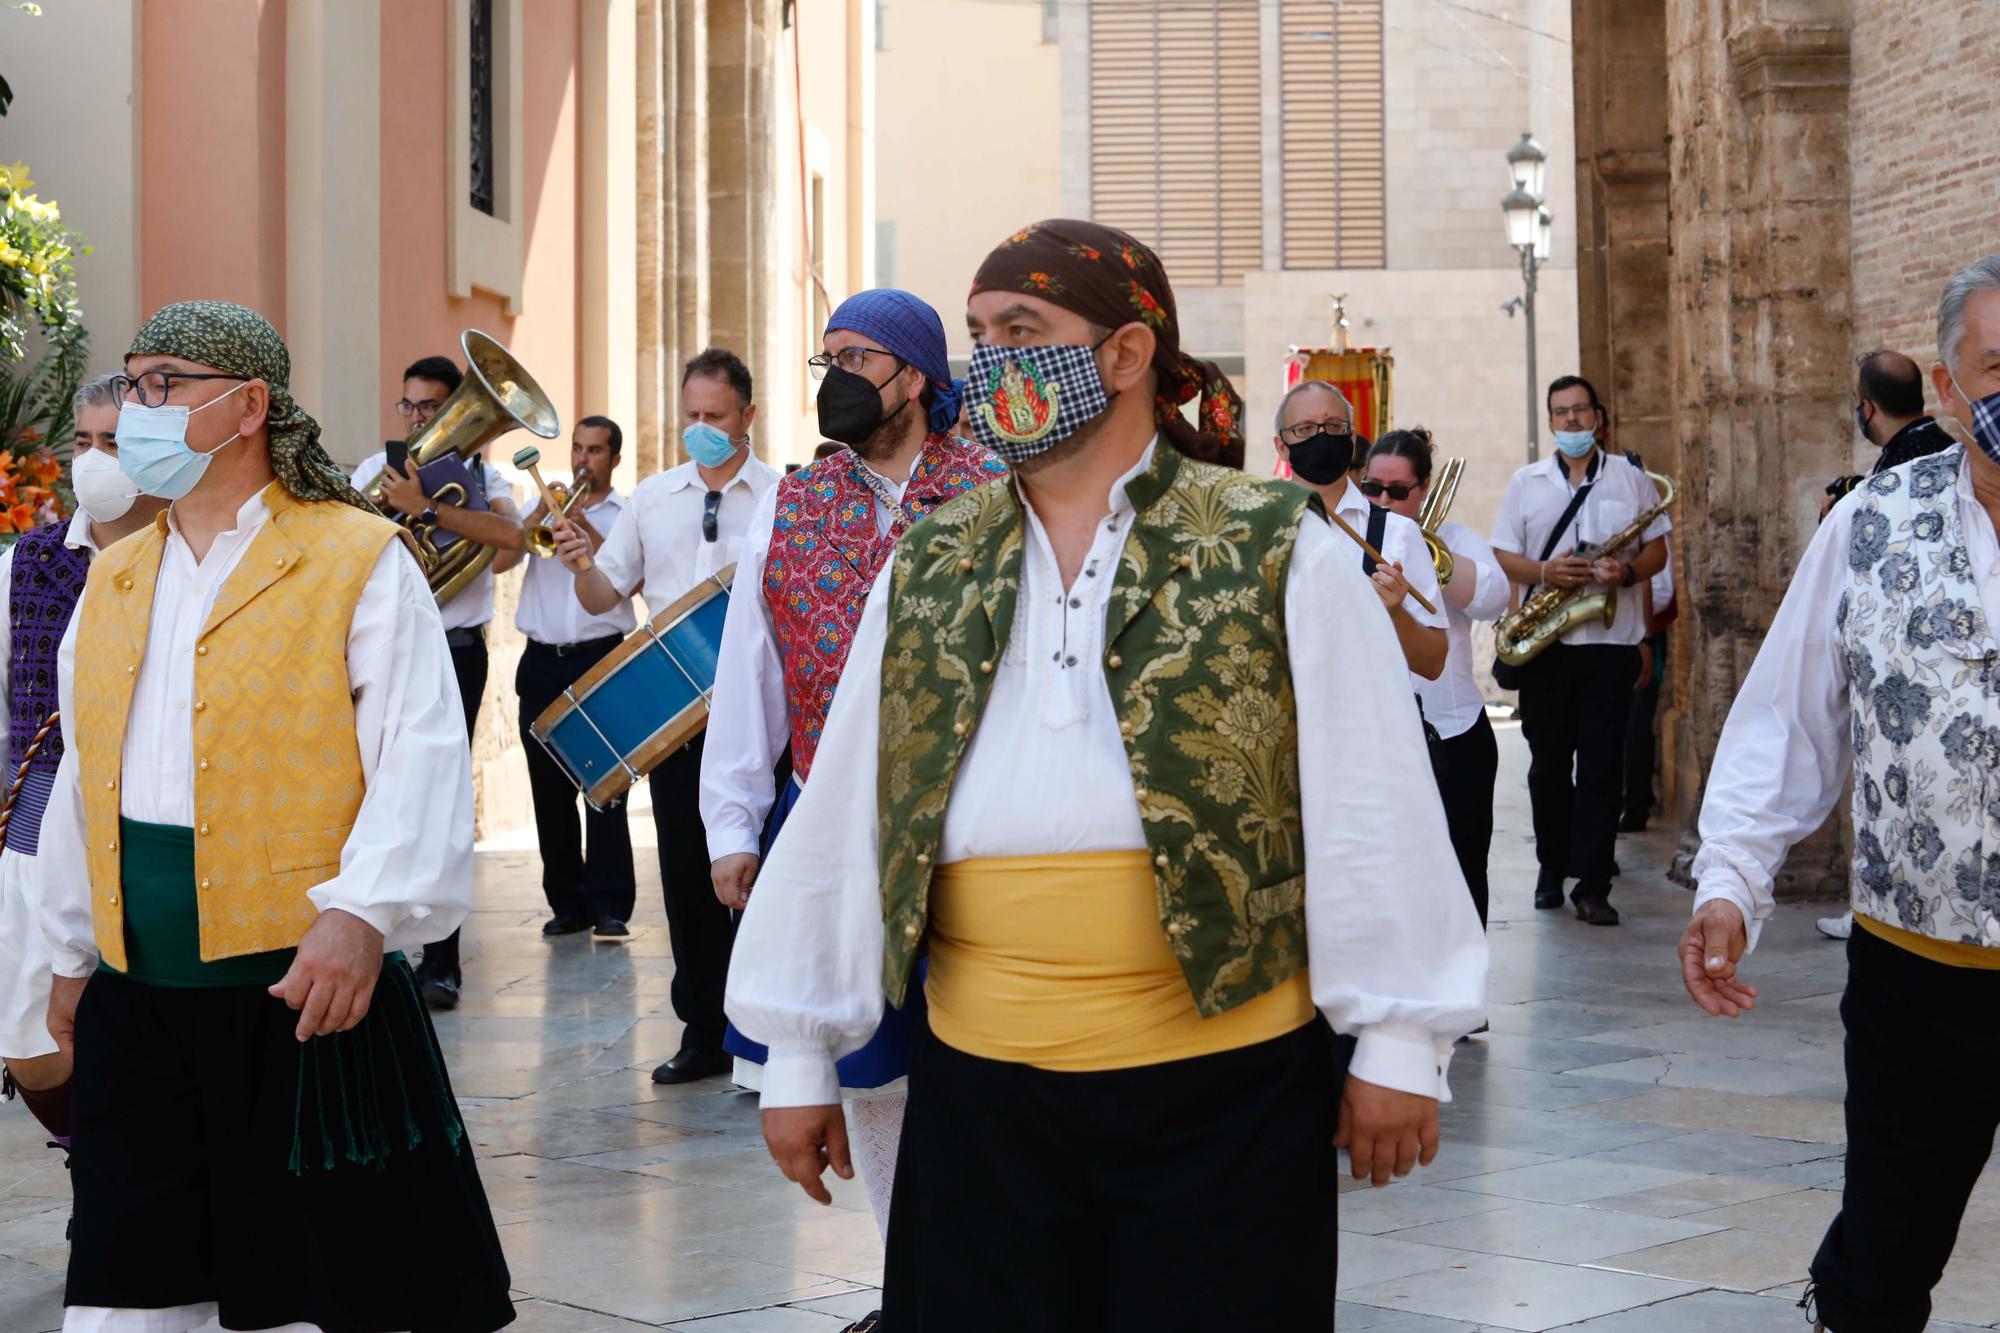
[
  {"x": 549, "y": 611},
  {"x": 1537, "y": 497},
  {"x": 77, "y": 537},
  {"x": 1787, "y": 748},
  {"x": 1396, "y": 952},
  {"x": 473, "y": 606},
  {"x": 749, "y": 720},
  {"x": 1453, "y": 702},
  {"x": 658, "y": 545},
  {"x": 1402, "y": 543},
  {"x": 406, "y": 868}
]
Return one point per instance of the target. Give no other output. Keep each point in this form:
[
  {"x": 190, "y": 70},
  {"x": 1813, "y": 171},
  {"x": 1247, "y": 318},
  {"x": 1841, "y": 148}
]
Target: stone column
[
  {"x": 653, "y": 238},
  {"x": 761, "y": 174},
  {"x": 1759, "y": 308},
  {"x": 691, "y": 177},
  {"x": 731, "y": 138}
]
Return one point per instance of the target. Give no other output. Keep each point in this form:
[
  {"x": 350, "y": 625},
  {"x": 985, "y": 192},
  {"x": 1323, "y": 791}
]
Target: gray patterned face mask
[
  {"x": 1985, "y": 419},
  {"x": 1025, "y": 401}
]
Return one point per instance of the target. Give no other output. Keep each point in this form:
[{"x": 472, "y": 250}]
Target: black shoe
[
  {"x": 438, "y": 992},
  {"x": 1635, "y": 823},
  {"x": 1548, "y": 891},
  {"x": 868, "y": 1323},
  {"x": 611, "y": 928},
  {"x": 563, "y": 925},
  {"x": 1596, "y": 911},
  {"x": 687, "y": 1066}
]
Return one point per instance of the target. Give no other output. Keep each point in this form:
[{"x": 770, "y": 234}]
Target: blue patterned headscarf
[{"x": 907, "y": 326}]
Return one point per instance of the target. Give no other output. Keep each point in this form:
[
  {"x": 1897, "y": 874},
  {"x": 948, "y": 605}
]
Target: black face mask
[
  {"x": 850, "y": 407},
  {"x": 1861, "y": 422},
  {"x": 1323, "y": 459}
]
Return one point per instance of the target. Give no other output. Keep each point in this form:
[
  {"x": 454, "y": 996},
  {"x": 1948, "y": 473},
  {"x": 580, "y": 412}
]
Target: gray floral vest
[{"x": 1924, "y": 676}]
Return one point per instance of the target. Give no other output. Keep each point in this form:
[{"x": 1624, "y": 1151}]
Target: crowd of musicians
[{"x": 1085, "y": 838}]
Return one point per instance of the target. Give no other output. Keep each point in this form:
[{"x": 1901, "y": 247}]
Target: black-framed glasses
[
  {"x": 1301, "y": 431},
  {"x": 711, "y": 506},
  {"x": 407, "y": 408},
  {"x": 151, "y": 389},
  {"x": 850, "y": 359},
  {"x": 1399, "y": 491}
]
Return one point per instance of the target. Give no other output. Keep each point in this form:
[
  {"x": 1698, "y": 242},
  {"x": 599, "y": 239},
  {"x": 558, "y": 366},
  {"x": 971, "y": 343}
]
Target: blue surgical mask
[
  {"x": 1576, "y": 443},
  {"x": 153, "y": 449},
  {"x": 707, "y": 444}
]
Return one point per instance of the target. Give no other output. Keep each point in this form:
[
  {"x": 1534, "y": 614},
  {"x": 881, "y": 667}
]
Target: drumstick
[
  {"x": 529, "y": 459},
  {"x": 1378, "y": 557}
]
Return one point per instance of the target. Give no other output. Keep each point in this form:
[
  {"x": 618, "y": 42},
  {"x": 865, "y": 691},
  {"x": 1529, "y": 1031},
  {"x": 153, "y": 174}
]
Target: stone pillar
[
  {"x": 761, "y": 172},
  {"x": 691, "y": 176},
  {"x": 653, "y": 238},
  {"x": 1759, "y": 308},
  {"x": 731, "y": 139}
]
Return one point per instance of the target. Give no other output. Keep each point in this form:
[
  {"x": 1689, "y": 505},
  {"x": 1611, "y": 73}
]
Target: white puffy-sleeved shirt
[
  {"x": 1402, "y": 544},
  {"x": 1537, "y": 497},
  {"x": 659, "y": 542},
  {"x": 473, "y": 606},
  {"x": 1452, "y": 702},
  {"x": 1787, "y": 748},
  {"x": 406, "y": 868},
  {"x": 1396, "y": 953},
  {"x": 549, "y": 612}
]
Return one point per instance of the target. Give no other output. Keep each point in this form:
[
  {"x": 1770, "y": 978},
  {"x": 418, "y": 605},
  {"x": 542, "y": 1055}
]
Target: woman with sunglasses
[{"x": 1398, "y": 478}]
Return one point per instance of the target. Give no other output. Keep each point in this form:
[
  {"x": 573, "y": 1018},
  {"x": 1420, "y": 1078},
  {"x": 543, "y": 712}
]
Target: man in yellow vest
[{"x": 265, "y": 798}]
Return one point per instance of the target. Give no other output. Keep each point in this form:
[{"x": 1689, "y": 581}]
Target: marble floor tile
[
  {"x": 1573, "y": 1181},
  {"x": 1738, "y": 1260},
  {"x": 1366, "y": 1260},
  {"x": 1706, "y": 1312},
  {"x": 1553, "y": 1232},
  {"x": 1408, "y": 1204},
  {"x": 1762, "y": 1077},
  {"x": 1351, "y": 1318},
  {"x": 1770, "y": 1117},
  {"x": 775, "y": 1319},
  {"x": 1716, "y": 1151},
  {"x": 1493, "y": 1291},
  {"x": 1803, "y": 1213},
  {"x": 1691, "y": 1196}
]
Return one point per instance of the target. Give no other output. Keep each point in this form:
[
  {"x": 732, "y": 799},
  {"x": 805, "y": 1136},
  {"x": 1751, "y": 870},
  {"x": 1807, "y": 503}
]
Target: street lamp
[{"x": 1529, "y": 229}]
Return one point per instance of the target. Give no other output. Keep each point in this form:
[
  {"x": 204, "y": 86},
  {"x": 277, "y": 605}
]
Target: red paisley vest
[{"x": 825, "y": 553}]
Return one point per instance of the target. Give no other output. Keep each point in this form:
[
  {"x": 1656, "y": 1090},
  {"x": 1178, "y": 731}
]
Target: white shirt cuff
[
  {"x": 1403, "y": 1056},
  {"x": 384, "y": 917},
  {"x": 802, "y": 1076},
  {"x": 72, "y": 963},
  {"x": 1723, "y": 884},
  {"x": 726, "y": 841}
]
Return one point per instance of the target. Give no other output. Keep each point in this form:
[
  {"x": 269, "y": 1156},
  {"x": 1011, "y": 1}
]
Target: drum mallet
[{"x": 529, "y": 460}]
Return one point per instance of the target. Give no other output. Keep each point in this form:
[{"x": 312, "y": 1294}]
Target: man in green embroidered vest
[{"x": 1126, "y": 750}]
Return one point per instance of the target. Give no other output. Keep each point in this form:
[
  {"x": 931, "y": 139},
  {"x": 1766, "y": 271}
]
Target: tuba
[
  {"x": 542, "y": 536},
  {"x": 1550, "y": 613},
  {"x": 496, "y": 396},
  {"x": 1437, "y": 503}
]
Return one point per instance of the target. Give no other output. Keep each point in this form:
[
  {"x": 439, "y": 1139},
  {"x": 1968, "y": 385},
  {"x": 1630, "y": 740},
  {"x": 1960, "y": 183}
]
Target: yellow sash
[
  {"x": 1059, "y": 962},
  {"x": 1949, "y": 952}
]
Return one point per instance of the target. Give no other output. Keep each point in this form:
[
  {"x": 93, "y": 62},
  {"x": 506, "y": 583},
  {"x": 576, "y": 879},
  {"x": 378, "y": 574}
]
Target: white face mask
[{"x": 101, "y": 486}]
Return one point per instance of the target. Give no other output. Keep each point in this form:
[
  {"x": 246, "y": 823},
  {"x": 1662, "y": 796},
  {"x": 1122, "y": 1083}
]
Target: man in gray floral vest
[{"x": 1883, "y": 661}]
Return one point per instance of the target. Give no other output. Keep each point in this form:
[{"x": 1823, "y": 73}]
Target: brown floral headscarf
[{"x": 1112, "y": 280}]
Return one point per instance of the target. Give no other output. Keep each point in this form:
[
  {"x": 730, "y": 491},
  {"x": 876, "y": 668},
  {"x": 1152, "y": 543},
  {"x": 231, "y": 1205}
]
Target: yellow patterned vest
[
  {"x": 1200, "y": 675},
  {"x": 278, "y": 777}
]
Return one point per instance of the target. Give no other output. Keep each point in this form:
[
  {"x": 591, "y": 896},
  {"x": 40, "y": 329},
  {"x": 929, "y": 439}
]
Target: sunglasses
[
  {"x": 1398, "y": 490},
  {"x": 710, "y": 506}
]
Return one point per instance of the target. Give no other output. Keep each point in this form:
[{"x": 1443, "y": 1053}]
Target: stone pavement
[{"x": 1614, "y": 1161}]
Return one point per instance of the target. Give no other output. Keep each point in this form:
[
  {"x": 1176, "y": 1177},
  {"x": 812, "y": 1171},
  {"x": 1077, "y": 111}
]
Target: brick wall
[{"x": 1925, "y": 158}]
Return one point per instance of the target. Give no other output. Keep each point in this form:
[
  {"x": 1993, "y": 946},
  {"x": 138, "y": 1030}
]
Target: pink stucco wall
[{"x": 212, "y": 150}]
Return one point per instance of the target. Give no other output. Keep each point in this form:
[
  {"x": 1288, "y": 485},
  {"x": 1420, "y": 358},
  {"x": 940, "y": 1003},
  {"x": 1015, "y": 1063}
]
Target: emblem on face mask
[{"x": 1021, "y": 403}]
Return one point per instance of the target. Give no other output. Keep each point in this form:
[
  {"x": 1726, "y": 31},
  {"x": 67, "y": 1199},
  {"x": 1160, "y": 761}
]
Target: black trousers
[
  {"x": 580, "y": 885},
  {"x": 468, "y": 663},
  {"x": 1472, "y": 762},
  {"x": 1574, "y": 704},
  {"x": 1193, "y": 1195},
  {"x": 1923, "y": 1100},
  {"x": 698, "y": 925},
  {"x": 1639, "y": 746}
]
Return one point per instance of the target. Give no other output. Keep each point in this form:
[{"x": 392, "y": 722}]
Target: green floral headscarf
[{"x": 239, "y": 341}]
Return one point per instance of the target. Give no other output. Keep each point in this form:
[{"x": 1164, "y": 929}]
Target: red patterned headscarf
[{"x": 1113, "y": 280}]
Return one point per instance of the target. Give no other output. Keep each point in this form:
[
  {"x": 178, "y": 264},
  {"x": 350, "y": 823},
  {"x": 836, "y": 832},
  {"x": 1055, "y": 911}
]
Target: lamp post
[{"x": 1529, "y": 227}]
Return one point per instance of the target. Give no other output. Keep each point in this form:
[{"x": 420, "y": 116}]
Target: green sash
[{"x": 163, "y": 921}]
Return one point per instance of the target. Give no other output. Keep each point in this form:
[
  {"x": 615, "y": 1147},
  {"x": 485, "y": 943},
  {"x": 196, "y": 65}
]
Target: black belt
[
  {"x": 471, "y": 637},
  {"x": 568, "y": 649}
]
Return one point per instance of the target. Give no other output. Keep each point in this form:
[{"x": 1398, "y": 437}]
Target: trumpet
[
  {"x": 1437, "y": 503},
  {"x": 542, "y": 536}
]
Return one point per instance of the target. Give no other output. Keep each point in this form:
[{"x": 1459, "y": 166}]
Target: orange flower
[
  {"x": 44, "y": 468},
  {"x": 7, "y": 462},
  {"x": 22, "y": 517}
]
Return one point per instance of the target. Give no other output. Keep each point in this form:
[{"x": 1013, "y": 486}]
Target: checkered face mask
[
  {"x": 1025, "y": 401},
  {"x": 1985, "y": 420}
]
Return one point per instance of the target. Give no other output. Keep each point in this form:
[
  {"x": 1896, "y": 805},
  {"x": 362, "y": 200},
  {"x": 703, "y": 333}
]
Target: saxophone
[{"x": 1520, "y": 636}]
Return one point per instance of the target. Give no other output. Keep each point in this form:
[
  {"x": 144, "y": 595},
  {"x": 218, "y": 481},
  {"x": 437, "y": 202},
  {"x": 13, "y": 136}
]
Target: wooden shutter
[
  {"x": 1331, "y": 54},
  {"x": 1175, "y": 142}
]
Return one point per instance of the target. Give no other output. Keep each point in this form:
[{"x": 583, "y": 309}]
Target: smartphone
[{"x": 399, "y": 454}]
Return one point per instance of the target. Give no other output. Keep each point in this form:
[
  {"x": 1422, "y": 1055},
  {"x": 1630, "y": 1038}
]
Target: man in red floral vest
[{"x": 812, "y": 550}]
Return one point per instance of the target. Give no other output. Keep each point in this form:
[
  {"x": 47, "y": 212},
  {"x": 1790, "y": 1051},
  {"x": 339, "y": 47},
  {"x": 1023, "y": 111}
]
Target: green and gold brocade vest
[{"x": 1200, "y": 675}]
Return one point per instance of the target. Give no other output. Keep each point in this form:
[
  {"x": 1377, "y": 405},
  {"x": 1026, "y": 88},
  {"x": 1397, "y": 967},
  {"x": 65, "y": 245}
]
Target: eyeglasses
[
  {"x": 1399, "y": 491},
  {"x": 711, "y": 505},
  {"x": 849, "y": 359},
  {"x": 1300, "y": 432},
  {"x": 426, "y": 405},
  {"x": 151, "y": 389},
  {"x": 1582, "y": 412}
]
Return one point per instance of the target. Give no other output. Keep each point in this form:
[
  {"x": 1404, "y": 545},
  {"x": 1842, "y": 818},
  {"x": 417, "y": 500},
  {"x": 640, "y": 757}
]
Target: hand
[
  {"x": 733, "y": 876},
  {"x": 1608, "y": 570},
  {"x": 64, "y": 992},
  {"x": 1568, "y": 570},
  {"x": 806, "y": 1140},
  {"x": 332, "y": 979},
  {"x": 404, "y": 491},
  {"x": 1385, "y": 1131},
  {"x": 1711, "y": 947},
  {"x": 1390, "y": 585},
  {"x": 1645, "y": 676},
  {"x": 572, "y": 546}
]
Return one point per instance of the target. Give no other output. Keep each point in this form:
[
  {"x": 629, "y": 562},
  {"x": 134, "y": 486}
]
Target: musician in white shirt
[{"x": 679, "y": 527}]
